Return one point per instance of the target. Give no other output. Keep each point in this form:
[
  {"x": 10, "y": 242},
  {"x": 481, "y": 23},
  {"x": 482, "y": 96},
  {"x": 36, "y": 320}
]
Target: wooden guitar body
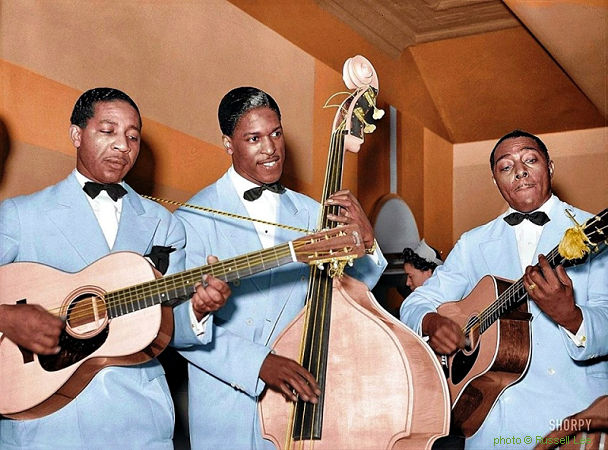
[
  {"x": 115, "y": 313},
  {"x": 392, "y": 393},
  {"x": 492, "y": 361},
  {"x": 33, "y": 385}
]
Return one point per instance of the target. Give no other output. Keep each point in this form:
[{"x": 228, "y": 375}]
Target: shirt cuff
[
  {"x": 374, "y": 254},
  {"x": 197, "y": 327},
  {"x": 580, "y": 338}
]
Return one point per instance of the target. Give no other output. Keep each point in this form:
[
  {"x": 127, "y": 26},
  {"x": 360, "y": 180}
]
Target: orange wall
[{"x": 176, "y": 73}]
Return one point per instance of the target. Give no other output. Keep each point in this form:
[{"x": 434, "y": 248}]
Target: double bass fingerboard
[{"x": 308, "y": 418}]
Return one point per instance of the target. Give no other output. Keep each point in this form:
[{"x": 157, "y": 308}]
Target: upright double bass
[{"x": 381, "y": 385}]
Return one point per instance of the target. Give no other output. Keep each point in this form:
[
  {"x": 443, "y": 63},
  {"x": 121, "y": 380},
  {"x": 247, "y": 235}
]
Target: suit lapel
[
  {"x": 500, "y": 252},
  {"x": 284, "y": 279},
  {"x": 554, "y": 230},
  {"x": 239, "y": 235},
  {"x": 73, "y": 216},
  {"x": 136, "y": 229}
]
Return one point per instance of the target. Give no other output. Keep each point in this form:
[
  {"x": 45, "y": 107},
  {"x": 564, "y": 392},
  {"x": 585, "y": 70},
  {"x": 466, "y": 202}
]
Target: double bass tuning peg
[
  {"x": 371, "y": 100},
  {"x": 368, "y": 127}
]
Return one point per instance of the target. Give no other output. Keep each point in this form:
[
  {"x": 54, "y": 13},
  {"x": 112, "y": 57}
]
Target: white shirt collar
[
  {"x": 545, "y": 207},
  {"x": 242, "y": 184},
  {"x": 82, "y": 179}
]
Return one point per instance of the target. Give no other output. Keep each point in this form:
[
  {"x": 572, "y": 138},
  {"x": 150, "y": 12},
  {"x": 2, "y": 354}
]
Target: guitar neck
[
  {"x": 513, "y": 296},
  {"x": 177, "y": 288}
]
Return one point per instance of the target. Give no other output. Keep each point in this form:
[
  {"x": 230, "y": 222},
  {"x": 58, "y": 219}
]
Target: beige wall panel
[
  {"x": 437, "y": 192},
  {"x": 29, "y": 168},
  {"x": 175, "y": 58},
  {"x": 581, "y": 162}
]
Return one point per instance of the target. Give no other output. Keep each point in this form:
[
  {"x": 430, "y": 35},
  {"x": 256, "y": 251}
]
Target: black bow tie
[
  {"x": 537, "y": 218},
  {"x": 114, "y": 190},
  {"x": 255, "y": 193}
]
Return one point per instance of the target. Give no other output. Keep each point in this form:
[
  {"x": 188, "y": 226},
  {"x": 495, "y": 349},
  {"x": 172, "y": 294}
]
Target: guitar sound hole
[
  {"x": 86, "y": 314},
  {"x": 85, "y": 332},
  {"x": 463, "y": 360}
]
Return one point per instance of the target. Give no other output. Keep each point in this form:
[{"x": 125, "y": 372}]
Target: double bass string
[{"x": 319, "y": 299}]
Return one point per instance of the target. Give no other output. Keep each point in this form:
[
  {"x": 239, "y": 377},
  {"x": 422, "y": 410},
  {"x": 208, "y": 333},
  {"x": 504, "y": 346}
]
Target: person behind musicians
[
  {"x": 419, "y": 264},
  {"x": 227, "y": 377},
  {"x": 70, "y": 225},
  {"x": 569, "y": 307}
]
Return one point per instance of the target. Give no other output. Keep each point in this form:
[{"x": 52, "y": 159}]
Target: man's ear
[
  {"x": 75, "y": 135},
  {"x": 227, "y": 144},
  {"x": 551, "y": 167}
]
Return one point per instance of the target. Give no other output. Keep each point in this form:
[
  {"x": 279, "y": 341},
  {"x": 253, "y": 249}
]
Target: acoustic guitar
[
  {"x": 117, "y": 312},
  {"x": 496, "y": 323}
]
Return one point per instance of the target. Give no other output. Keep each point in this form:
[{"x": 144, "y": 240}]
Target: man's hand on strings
[
  {"x": 551, "y": 289},
  {"x": 445, "y": 335},
  {"x": 32, "y": 327},
  {"x": 286, "y": 376},
  {"x": 351, "y": 212},
  {"x": 210, "y": 295}
]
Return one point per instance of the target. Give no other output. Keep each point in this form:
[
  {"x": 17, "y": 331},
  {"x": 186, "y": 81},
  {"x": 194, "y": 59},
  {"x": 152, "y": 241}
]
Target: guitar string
[
  {"x": 516, "y": 291},
  {"x": 161, "y": 285},
  {"x": 186, "y": 275},
  {"x": 116, "y": 297},
  {"x": 155, "y": 287},
  {"x": 512, "y": 293}
]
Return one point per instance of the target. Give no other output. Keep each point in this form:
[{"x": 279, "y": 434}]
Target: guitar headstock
[
  {"x": 358, "y": 113},
  {"x": 582, "y": 239},
  {"x": 337, "y": 246}
]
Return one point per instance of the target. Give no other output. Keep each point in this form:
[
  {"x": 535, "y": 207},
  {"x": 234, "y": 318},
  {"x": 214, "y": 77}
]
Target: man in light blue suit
[
  {"x": 227, "y": 376},
  {"x": 568, "y": 368},
  {"x": 65, "y": 228}
]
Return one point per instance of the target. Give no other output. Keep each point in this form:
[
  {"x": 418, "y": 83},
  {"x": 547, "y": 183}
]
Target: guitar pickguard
[
  {"x": 72, "y": 350},
  {"x": 462, "y": 364}
]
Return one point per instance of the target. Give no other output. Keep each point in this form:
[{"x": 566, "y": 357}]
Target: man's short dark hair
[
  {"x": 239, "y": 101},
  {"x": 516, "y": 134},
  {"x": 84, "y": 108},
  {"x": 417, "y": 261}
]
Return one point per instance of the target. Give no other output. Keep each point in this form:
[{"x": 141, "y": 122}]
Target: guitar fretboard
[
  {"x": 514, "y": 295},
  {"x": 177, "y": 288}
]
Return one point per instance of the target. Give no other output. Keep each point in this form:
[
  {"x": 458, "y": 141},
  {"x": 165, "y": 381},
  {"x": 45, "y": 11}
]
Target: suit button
[
  {"x": 551, "y": 371},
  {"x": 249, "y": 321},
  {"x": 236, "y": 283}
]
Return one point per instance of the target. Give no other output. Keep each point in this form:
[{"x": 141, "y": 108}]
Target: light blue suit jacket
[
  {"x": 223, "y": 375},
  {"x": 562, "y": 378},
  {"x": 121, "y": 406}
]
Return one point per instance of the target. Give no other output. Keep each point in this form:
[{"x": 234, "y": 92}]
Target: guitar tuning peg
[
  {"x": 350, "y": 262},
  {"x": 320, "y": 266}
]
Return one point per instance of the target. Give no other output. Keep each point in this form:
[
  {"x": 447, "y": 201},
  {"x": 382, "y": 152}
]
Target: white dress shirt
[
  {"x": 107, "y": 211},
  {"x": 264, "y": 208},
  {"x": 527, "y": 235}
]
